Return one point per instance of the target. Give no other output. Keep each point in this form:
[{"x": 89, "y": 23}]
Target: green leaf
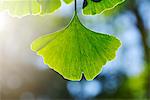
[
  {"x": 68, "y": 1},
  {"x": 76, "y": 50},
  {"x": 26, "y": 7},
  {"x": 48, "y": 6},
  {"x": 20, "y": 7},
  {"x": 100, "y": 6}
]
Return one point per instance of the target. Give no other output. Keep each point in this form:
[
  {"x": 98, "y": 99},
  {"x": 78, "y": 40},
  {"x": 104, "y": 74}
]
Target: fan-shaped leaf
[
  {"x": 20, "y": 7},
  {"x": 76, "y": 50},
  {"x": 48, "y": 6},
  {"x": 92, "y": 7},
  {"x": 68, "y": 1},
  {"x": 26, "y": 7}
]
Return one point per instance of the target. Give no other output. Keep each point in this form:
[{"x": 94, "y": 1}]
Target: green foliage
[
  {"x": 76, "y": 50},
  {"x": 20, "y": 7},
  {"x": 26, "y": 7},
  {"x": 68, "y": 1},
  {"x": 34, "y": 7},
  {"x": 48, "y": 6},
  {"x": 93, "y": 8}
]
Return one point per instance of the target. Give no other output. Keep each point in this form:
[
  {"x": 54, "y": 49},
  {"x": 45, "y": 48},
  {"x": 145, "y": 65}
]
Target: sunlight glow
[{"x": 3, "y": 21}]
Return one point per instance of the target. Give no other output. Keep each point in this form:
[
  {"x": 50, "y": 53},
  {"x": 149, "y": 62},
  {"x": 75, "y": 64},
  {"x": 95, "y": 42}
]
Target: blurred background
[{"x": 23, "y": 76}]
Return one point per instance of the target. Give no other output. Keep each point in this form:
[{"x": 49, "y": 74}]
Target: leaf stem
[{"x": 75, "y": 4}]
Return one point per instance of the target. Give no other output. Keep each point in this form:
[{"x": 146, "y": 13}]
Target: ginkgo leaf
[
  {"x": 92, "y": 7},
  {"x": 76, "y": 50},
  {"x": 48, "y": 6},
  {"x": 20, "y": 7},
  {"x": 68, "y": 1},
  {"x": 26, "y": 7}
]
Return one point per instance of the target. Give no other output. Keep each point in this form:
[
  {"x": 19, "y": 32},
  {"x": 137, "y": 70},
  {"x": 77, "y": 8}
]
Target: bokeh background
[{"x": 23, "y": 76}]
